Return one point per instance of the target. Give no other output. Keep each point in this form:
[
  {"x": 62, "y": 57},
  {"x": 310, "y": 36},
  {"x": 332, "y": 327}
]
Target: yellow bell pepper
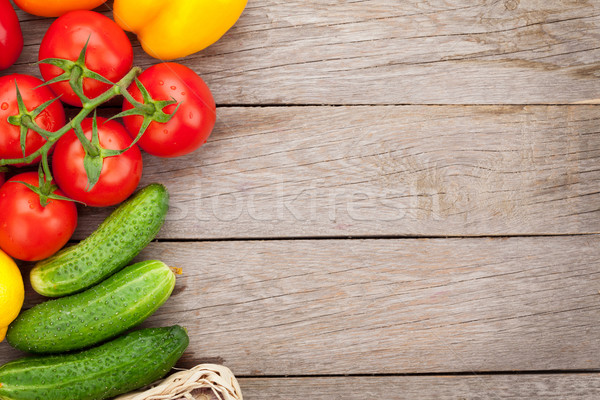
[{"x": 169, "y": 29}]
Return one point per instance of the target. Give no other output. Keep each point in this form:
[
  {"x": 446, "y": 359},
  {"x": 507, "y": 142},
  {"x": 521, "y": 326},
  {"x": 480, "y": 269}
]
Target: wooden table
[{"x": 400, "y": 200}]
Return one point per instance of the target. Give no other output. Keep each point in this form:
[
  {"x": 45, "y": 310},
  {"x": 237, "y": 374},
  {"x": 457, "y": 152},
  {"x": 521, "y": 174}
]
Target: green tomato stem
[
  {"x": 46, "y": 167},
  {"x": 89, "y": 105},
  {"x": 29, "y": 159},
  {"x": 85, "y": 142}
]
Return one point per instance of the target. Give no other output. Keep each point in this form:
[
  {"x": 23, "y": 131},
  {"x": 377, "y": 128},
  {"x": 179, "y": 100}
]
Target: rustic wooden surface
[
  {"x": 397, "y": 52},
  {"x": 326, "y": 307},
  {"x": 347, "y": 132},
  {"x": 477, "y": 387},
  {"x": 385, "y": 170}
]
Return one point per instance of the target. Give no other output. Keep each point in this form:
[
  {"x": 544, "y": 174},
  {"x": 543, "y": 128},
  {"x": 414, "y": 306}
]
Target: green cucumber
[
  {"x": 106, "y": 310},
  {"x": 111, "y": 247},
  {"x": 125, "y": 364}
]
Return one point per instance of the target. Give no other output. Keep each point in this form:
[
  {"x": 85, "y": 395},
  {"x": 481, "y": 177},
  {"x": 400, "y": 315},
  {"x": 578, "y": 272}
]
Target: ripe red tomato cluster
[{"x": 32, "y": 231}]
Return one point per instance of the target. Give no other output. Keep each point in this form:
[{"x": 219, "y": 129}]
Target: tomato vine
[{"x": 74, "y": 73}]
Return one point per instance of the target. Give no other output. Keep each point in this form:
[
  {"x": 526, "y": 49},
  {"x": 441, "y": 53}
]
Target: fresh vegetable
[
  {"x": 190, "y": 126},
  {"x": 106, "y": 310},
  {"x": 127, "y": 363},
  {"x": 108, "y": 54},
  {"x": 35, "y": 107},
  {"x": 116, "y": 242},
  {"x": 169, "y": 29},
  {"x": 77, "y": 76},
  {"x": 11, "y": 37},
  {"x": 12, "y": 292},
  {"x": 86, "y": 78},
  {"x": 113, "y": 179},
  {"x": 54, "y": 8},
  {"x": 34, "y": 224}
]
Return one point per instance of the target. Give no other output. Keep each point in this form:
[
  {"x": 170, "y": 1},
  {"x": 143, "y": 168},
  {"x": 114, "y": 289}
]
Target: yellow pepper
[{"x": 169, "y": 29}]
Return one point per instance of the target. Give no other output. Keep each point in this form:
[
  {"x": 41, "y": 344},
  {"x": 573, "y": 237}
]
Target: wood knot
[{"x": 511, "y": 4}]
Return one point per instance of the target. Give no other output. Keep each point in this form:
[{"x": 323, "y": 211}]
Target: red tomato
[
  {"x": 120, "y": 174},
  {"x": 11, "y": 38},
  {"x": 109, "y": 51},
  {"x": 51, "y": 119},
  {"x": 29, "y": 231},
  {"x": 190, "y": 126}
]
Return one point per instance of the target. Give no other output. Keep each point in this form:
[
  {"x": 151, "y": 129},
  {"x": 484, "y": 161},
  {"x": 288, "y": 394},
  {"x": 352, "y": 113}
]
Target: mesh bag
[{"x": 203, "y": 382}]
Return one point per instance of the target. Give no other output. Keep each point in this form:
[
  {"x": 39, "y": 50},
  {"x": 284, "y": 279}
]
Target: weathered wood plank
[
  {"x": 385, "y": 170},
  {"x": 385, "y": 306},
  {"x": 480, "y": 387},
  {"x": 396, "y": 52}
]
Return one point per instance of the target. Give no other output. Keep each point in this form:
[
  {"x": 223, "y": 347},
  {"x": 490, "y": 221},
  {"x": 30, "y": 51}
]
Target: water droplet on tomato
[
  {"x": 4, "y": 106},
  {"x": 173, "y": 87},
  {"x": 191, "y": 115},
  {"x": 161, "y": 83},
  {"x": 166, "y": 132},
  {"x": 183, "y": 93}
]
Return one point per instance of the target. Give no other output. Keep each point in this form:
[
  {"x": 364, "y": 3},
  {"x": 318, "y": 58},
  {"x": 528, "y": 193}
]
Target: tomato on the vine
[
  {"x": 119, "y": 175},
  {"x": 51, "y": 118},
  {"x": 194, "y": 120},
  {"x": 28, "y": 230},
  {"x": 108, "y": 53}
]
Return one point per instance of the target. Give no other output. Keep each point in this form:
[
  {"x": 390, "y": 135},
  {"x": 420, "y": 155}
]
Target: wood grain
[
  {"x": 386, "y": 170},
  {"x": 384, "y": 306},
  {"x": 480, "y": 387},
  {"x": 395, "y": 52},
  {"x": 393, "y": 167}
]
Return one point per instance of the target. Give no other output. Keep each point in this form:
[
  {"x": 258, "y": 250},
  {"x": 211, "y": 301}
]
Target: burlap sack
[{"x": 203, "y": 382}]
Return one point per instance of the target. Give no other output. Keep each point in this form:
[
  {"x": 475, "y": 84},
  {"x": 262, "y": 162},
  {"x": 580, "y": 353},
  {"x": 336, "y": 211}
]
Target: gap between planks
[
  {"x": 340, "y": 105},
  {"x": 373, "y": 237},
  {"x": 432, "y": 374},
  {"x": 366, "y": 237}
]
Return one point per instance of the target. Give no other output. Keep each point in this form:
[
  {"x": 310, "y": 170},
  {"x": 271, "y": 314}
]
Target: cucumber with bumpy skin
[
  {"x": 111, "y": 247},
  {"x": 127, "y": 363},
  {"x": 82, "y": 320}
]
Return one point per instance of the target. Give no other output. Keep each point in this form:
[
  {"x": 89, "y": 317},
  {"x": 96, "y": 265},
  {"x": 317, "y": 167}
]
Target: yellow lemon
[{"x": 12, "y": 292}]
